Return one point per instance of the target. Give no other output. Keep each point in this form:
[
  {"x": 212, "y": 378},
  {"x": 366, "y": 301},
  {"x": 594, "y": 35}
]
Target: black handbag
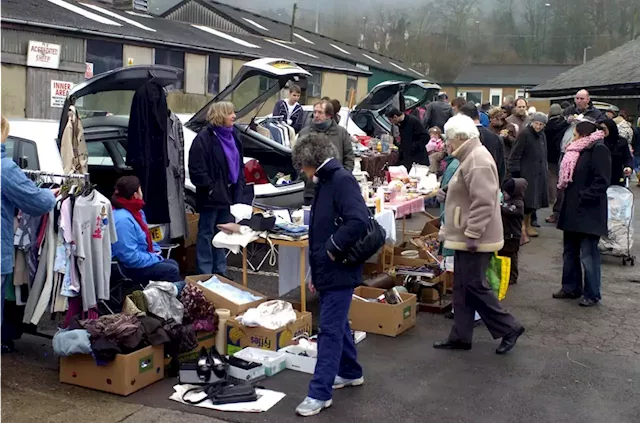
[{"x": 369, "y": 244}]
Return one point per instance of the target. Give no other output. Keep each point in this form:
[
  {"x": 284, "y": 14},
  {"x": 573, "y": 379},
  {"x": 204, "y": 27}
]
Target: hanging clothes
[
  {"x": 147, "y": 149},
  {"x": 175, "y": 178},
  {"x": 43, "y": 282},
  {"x": 94, "y": 232},
  {"x": 73, "y": 147}
]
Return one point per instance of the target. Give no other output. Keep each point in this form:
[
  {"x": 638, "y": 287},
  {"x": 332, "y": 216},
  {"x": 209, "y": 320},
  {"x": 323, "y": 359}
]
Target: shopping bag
[{"x": 498, "y": 275}]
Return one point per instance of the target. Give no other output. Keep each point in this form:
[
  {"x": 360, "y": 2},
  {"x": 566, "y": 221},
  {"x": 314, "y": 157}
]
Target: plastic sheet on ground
[
  {"x": 619, "y": 240},
  {"x": 266, "y": 400}
]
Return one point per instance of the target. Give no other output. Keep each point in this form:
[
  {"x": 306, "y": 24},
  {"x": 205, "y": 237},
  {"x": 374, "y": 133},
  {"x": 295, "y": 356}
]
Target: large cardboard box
[
  {"x": 205, "y": 340},
  {"x": 432, "y": 226},
  {"x": 220, "y": 301},
  {"x": 123, "y": 376},
  {"x": 239, "y": 336},
  {"x": 192, "y": 225},
  {"x": 382, "y": 319}
]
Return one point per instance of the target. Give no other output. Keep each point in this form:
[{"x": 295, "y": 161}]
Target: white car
[{"x": 104, "y": 103}]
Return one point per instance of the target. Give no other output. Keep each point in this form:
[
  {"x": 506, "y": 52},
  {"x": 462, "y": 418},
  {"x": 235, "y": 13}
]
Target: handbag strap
[{"x": 212, "y": 390}]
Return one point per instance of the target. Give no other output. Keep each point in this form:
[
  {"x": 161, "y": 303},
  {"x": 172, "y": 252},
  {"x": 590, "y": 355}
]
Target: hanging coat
[
  {"x": 73, "y": 148},
  {"x": 175, "y": 178},
  {"x": 147, "y": 149},
  {"x": 528, "y": 160}
]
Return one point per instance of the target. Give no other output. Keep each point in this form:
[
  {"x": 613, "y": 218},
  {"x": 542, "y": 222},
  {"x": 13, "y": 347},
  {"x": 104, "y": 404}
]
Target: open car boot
[{"x": 223, "y": 392}]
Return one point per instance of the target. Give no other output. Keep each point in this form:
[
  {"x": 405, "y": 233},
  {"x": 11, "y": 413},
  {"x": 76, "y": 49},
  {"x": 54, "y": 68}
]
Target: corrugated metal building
[{"x": 71, "y": 40}]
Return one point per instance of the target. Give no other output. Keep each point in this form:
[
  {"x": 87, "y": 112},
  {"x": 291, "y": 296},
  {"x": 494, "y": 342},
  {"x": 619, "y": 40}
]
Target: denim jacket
[{"x": 18, "y": 192}]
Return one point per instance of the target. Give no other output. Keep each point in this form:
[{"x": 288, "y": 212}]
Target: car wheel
[{"x": 190, "y": 203}]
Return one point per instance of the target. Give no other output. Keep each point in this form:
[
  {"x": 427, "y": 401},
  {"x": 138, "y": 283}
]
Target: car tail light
[{"x": 253, "y": 172}]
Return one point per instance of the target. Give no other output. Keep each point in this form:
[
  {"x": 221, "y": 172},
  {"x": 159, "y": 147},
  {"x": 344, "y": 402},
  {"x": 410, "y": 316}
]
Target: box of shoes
[
  {"x": 368, "y": 315},
  {"x": 125, "y": 375},
  {"x": 240, "y": 336},
  {"x": 222, "y": 297}
]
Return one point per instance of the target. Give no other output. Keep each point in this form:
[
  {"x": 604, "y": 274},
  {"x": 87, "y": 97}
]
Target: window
[
  {"x": 104, "y": 55},
  {"x": 496, "y": 96},
  {"x": 314, "y": 85},
  {"x": 98, "y": 154},
  {"x": 172, "y": 58},
  {"x": 213, "y": 76},
  {"x": 27, "y": 153},
  {"x": 474, "y": 96},
  {"x": 521, "y": 93},
  {"x": 352, "y": 84}
]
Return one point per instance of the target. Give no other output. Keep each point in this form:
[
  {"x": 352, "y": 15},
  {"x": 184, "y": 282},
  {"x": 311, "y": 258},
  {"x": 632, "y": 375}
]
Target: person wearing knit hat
[
  {"x": 554, "y": 132},
  {"x": 528, "y": 161},
  {"x": 555, "y": 110}
]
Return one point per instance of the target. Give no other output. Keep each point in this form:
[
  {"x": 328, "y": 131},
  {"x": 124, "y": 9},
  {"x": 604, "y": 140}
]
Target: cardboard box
[
  {"x": 432, "y": 226},
  {"x": 382, "y": 319},
  {"x": 123, "y": 376},
  {"x": 192, "y": 225},
  {"x": 272, "y": 361},
  {"x": 400, "y": 260},
  {"x": 205, "y": 340},
  {"x": 239, "y": 336},
  {"x": 297, "y": 362},
  {"x": 221, "y": 302}
]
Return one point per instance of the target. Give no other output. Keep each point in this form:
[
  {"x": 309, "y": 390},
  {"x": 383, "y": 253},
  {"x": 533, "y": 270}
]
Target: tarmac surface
[{"x": 571, "y": 365}]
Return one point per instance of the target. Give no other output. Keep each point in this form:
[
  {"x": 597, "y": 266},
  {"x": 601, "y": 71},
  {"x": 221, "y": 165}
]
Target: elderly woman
[
  {"x": 585, "y": 175},
  {"x": 339, "y": 217},
  {"x": 473, "y": 229},
  {"x": 216, "y": 168},
  {"x": 528, "y": 160}
]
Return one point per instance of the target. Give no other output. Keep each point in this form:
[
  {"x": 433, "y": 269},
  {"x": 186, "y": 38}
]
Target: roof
[
  {"x": 617, "y": 71},
  {"x": 98, "y": 19},
  {"x": 508, "y": 75},
  {"x": 267, "y": 27}
]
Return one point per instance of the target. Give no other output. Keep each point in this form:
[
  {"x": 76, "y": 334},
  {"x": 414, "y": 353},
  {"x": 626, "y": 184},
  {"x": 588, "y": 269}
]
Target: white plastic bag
[{"x": 619, "y": 240}]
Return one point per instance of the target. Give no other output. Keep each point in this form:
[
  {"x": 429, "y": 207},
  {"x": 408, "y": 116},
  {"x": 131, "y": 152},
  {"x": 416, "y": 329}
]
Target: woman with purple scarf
[{"x": 216, "y": 168}]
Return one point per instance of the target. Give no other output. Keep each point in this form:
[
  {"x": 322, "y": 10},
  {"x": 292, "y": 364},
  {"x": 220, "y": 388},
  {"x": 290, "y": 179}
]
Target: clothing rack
[
  {"x": 31, "y": 329},
  {"x": 83, "y": 176}
]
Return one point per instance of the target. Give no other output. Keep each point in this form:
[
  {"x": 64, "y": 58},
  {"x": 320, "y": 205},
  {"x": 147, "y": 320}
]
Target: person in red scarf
[{"x": 136, "y": 252}]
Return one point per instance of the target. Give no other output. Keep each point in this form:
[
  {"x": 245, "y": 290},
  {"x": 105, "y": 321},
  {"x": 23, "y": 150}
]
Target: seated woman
[{"x": 135, "y": 250}]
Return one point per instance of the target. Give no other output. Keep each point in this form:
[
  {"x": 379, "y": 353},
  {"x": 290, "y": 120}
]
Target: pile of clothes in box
[{"x": 163, "y": 313}]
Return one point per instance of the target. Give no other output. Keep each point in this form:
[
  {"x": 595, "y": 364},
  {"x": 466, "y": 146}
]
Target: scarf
[
  {"x": 322, "y": 126},
  {"x": 134, "y": 206},
  {"x": 571, "y": 156},
  {"x": 228, "y": 143}
]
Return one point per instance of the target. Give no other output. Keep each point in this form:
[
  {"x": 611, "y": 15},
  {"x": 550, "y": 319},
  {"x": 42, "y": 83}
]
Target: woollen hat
[
  {"x": 539, "y": 117},
  {"x": 555, "y": 110}
]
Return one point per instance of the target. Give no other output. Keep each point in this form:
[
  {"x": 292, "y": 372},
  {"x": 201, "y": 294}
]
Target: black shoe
[
  {"x": 535, "y": 224},
  {"x": 452, "y": 345},
  {"x": 565, "y": 295},
  {"x": 448, "y": 315},
  {"x": 509, "y": 341},
  {"x": 585, "y": 302}
]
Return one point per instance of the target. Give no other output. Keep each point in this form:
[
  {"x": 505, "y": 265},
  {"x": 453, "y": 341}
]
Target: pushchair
[{"x": 619, "y": 239}]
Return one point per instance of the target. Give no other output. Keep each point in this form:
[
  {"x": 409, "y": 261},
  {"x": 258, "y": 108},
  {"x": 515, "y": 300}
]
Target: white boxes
[
  {"x": 247, "y": 375},
  {"x": 299, "y": 363},
  {"x": 273, "y": 362}
]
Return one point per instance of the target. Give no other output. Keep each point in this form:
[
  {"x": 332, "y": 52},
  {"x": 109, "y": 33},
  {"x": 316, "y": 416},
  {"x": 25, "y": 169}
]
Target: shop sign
[
  {"x": 59, "y": 92},
  {"x": 88, "y": 72},
  {"x": 43, "y": 55},
  {"x": 361, "y": 66}
]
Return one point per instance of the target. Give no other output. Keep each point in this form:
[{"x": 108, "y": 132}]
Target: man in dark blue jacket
[
  {"x": 339, "y": 218},
  {"x": 290, "y": 109}
]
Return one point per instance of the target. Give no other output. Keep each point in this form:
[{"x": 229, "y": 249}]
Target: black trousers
[
  {"x": 471, "y": 293},
  {"x": 511, "y": 249}
]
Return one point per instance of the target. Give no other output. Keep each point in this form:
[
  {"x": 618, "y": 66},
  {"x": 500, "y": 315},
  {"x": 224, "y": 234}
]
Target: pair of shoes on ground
[
  {"x": 311, "y": 406},
  {"x": 507, "y": 344},
  {"x": 584, "y": 302}
]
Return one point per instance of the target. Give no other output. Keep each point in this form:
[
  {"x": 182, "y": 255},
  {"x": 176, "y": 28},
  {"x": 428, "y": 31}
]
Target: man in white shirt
[{"x": 290, "y": 108}]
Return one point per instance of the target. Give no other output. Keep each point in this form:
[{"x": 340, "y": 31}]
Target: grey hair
[
  {"x": 312, "y": 150},
  {"x": 461, "y": 127}
]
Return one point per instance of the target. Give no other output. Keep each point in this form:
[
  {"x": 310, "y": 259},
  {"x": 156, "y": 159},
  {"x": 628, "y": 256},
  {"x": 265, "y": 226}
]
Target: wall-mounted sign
[
  {"x": 130, "y": 61},
  {"x": 361, "y": 66},
  {"x": 43, "y": 55},
  {"x": 59, "y": 92},
  {"x": 88, "y": 72}
]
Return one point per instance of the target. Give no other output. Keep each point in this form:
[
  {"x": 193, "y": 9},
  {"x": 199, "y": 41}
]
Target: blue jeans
[
  {"x": 581, "y": 250},
  {"x": 211, "y": 260},
  {"x": 337, "y": 355},
  {"x": 165, "y": 271}
]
